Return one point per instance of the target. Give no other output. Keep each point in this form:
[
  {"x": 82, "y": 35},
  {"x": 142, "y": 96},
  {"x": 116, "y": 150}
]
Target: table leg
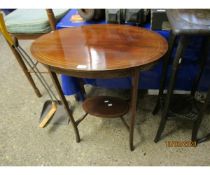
[
  {"x": 166, "y": 59},
  {"x": 135, "y": 82},
  {"x": 176, "y": 62},
  {"x": 64, "y": 101}
]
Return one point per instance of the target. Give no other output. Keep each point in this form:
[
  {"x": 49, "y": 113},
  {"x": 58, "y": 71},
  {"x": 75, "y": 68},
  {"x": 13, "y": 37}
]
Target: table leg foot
[
  {"x": 132, "y": 148},
  {"x": 157, "y": 108},
  {"x": 195, "y": 129},
  {"x": 160, "y": 130}
]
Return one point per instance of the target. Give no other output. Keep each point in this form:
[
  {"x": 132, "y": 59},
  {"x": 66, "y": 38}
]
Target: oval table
[{"x": 99, "y": 51}]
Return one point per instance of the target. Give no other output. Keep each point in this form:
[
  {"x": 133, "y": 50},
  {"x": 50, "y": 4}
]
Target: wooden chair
[{"x": 30, "y": 24}]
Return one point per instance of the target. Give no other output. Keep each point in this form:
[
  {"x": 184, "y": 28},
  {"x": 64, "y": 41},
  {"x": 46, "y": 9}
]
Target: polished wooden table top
[{"x": 99, "y": 47}]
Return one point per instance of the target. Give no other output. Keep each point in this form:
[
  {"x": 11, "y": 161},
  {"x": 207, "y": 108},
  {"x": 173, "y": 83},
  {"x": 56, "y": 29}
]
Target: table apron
[{"x": 101, "y": 74}]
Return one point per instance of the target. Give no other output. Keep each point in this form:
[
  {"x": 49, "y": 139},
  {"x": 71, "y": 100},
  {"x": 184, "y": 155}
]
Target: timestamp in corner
[{"x": 180, "y": 143}]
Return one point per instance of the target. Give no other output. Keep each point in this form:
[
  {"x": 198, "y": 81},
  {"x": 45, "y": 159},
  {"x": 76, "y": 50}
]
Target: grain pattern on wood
[{"x": 99, "y": 47}]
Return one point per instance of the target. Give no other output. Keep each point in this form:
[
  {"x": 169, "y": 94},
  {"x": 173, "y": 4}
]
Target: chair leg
[
  {"x": 164, "y": 72},
  {"x": 197, "y": 123},
  {"x": 25, "y": 71},
  {"x": 176, "y": 62},
  {"x": 196, "y": 126},
  {"x": 204, "y": 57},
  {"x": 160, "y": 129}
]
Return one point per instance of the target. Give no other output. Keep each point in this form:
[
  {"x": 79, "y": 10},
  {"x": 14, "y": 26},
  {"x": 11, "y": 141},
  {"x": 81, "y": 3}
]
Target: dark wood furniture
[
  {"x": 100, "y": 51},
  {"x": 184, "y": 23}
]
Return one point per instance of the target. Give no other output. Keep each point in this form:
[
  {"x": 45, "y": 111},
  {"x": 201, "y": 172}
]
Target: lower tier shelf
[{"x": 106, "y": 106}]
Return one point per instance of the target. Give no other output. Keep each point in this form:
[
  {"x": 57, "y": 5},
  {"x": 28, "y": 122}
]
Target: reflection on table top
[{"x": 99, "y": 47}]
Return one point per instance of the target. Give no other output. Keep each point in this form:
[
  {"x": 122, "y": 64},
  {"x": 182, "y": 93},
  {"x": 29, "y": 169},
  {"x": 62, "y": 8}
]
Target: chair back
[
  {"x": 51, "y": 18},
  {"x": 4, "y": 31}
]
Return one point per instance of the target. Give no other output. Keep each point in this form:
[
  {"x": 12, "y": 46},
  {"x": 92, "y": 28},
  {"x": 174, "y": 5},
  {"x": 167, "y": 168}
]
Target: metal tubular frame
[{"x": 36, "y": 71}]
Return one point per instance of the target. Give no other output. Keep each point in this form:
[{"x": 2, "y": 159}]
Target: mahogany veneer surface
[
  {"x": 99, "y": 47},
  {"x": 105, "y": 106}
]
